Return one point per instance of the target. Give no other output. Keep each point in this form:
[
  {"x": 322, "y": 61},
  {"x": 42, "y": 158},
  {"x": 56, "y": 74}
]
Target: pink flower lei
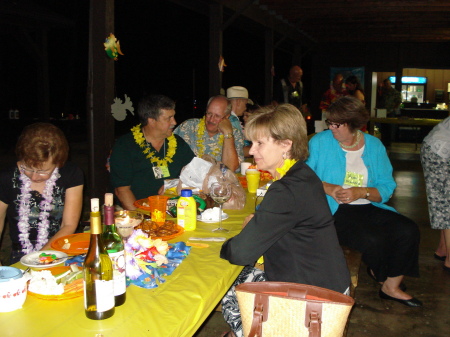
[{"x": 24, "y": 212}]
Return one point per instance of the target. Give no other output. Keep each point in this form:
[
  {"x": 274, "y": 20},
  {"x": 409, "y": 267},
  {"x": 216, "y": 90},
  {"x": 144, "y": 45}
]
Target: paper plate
[
  {"x": 67, "y": 295},
  {"x": 79, "y": 243},
  {"x": 32, "y": 260}
]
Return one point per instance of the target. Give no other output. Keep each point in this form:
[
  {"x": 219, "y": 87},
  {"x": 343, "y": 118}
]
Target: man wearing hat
[{"x": 239, "y": 99}]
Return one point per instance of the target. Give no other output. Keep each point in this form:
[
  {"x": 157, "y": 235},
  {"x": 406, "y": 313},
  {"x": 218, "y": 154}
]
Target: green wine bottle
[
  {"x": 115, "y": 248},
  {"x": 97, "y": 272}
]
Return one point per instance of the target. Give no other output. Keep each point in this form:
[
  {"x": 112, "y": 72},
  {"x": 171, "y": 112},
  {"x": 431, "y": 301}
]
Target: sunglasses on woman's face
[{"x": 333, "y": 125}]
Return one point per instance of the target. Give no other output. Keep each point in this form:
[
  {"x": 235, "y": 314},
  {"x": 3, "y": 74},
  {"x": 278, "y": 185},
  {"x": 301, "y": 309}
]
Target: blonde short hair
[{"x": 281, "y": 122}]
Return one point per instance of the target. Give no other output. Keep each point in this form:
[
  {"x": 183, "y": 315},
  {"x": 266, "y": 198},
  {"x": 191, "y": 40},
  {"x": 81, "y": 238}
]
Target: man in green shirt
[{"x": 142, "y": 159}]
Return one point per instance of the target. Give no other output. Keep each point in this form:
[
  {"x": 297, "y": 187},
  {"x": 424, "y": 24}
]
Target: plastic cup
[
  {"x": 158, "y": 205},
  {"x": 253, "y": 177},
  {"x": 244, "y": 167}
]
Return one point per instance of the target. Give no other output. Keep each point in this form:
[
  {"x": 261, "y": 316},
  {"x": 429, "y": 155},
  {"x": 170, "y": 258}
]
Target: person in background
[
  {"x": 336, "y": 90},
  {"x": 435, "y": 158},
  {"x": 390, "y": 99},
  {"x": 354, "y": 88},
  {"x": 42, "y": 194},
  {"x": 294, "y": 232},
  {"x": 238, "y": 97},
  {"x": 142, "y": 159},
  {"x": 357, "y": 177},
  {"x": 214, "y": 134}
]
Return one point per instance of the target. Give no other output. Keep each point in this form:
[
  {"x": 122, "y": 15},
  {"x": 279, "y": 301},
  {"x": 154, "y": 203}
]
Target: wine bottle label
[
  {"x": 104, "y": 291},
  {"x": 118, "y": 262}
]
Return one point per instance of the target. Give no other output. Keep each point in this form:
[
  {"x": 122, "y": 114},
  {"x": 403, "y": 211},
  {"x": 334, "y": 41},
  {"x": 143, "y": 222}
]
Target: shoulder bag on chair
[{"x": 274, "y": 309}]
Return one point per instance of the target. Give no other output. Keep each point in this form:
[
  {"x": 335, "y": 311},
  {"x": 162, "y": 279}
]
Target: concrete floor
[{"x": 372, "y": 316}]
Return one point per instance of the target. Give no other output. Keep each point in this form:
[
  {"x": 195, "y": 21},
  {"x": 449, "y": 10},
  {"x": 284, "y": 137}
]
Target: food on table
[
  {"x": 154, "y": 229},
  {"x": 66, "y": 244},
  {"x": 44, "y": 283},
  {"x": 47, "y": 258}
]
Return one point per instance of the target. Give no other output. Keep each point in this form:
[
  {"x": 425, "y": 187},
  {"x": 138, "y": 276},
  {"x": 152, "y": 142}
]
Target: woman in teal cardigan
[{"x": 357, "y": 177}]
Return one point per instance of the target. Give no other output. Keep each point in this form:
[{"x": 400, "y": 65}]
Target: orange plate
[
  {"x": 140, "y": 204},
  {"x": 64, "y": 296},
  {"x": 79, "y": 243},
  {"x": 168, "y": 237}
]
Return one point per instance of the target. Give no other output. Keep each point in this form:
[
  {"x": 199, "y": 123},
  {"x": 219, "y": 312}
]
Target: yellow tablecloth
[{"x": 176, "y": 308}]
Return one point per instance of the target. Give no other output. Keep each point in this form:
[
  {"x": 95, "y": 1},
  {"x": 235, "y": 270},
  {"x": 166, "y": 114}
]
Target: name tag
[
  {"x": 353, "y": 179},
  {"x": 161, "y": 172}
]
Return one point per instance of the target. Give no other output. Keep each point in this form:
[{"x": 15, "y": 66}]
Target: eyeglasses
[
  {"x": 31, "y": 172},
  {"x": 213, "y": 116},
  {"x": 333, "y": 125}
]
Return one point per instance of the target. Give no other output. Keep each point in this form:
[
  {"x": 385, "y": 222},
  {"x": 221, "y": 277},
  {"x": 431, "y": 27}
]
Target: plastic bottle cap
[{"x": 186, "y": 193}]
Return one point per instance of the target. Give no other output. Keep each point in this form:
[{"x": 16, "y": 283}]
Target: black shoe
[
  {"x": 413, "y": 302},
  {"x": 402, "y": 286},
  {"x": 440, "y": 258}
]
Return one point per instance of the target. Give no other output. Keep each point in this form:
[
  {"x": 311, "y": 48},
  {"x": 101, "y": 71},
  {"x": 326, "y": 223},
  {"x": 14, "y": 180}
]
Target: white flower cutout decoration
[{"x": 119, "y": 108}]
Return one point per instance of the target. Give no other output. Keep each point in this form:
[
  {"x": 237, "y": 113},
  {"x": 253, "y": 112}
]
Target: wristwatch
[
  {"x": 367, "y": 193},
  {"x": 228, "y": 136}
]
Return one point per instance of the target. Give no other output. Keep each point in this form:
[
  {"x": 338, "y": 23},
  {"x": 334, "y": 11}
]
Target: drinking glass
[
  {"x": 126, "y": 221},
  {"x": 220, "y": 192}
]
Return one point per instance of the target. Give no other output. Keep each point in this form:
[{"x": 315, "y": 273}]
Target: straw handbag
[{"x": 274, "y": 309}]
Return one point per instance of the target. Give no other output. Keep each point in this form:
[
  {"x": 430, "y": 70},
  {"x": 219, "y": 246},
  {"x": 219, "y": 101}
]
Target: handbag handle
[{"x": 313, "y": 313}]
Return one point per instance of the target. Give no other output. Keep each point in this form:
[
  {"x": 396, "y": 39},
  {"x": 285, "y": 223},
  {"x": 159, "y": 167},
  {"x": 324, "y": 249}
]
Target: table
[{"x": 176, "y": 308}]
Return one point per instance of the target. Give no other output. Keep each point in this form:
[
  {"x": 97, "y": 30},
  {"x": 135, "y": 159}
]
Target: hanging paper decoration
[
  {"x": 222, "y": 64},
  {"x": 119, "y": 108},
  {"x": 112, "y": 47}
]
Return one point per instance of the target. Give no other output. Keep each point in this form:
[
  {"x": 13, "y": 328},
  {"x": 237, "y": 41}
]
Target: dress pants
[{"x": 388, "y": 241}]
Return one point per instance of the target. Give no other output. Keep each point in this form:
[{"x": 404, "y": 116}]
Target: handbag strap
[
  {"x": 260, "y": 314},
  {"x": 313, "y": 316},
  {"x": 313, "y": 313}
]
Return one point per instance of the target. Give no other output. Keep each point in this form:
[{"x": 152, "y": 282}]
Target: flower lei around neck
[
  {"x": 142, "y": 142},
  {"x": 25, "y": 211},
  {"x": 201, "y": 147},
  {"x": 288, "y": 163}
]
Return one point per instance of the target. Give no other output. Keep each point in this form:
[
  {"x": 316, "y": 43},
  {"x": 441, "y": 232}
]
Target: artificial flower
[{"x": 142, "y": 142}]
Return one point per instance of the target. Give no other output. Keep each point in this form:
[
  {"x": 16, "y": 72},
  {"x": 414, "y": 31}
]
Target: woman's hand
[
  {"x": 348, "y": 195},
  {"x": 247, "y": 219}
]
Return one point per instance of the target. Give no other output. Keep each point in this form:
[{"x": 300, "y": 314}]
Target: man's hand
[{"x": 225, "y": 126}]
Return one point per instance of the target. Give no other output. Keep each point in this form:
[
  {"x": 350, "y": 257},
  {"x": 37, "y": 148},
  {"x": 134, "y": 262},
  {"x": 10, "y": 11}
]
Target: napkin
[{"x": 212, "y": 214}]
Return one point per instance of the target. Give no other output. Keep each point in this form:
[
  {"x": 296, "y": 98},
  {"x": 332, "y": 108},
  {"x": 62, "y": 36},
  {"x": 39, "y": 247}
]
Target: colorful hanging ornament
[
  {"x": 221, "y": 64},
  {"x": 112, "y": 47}
]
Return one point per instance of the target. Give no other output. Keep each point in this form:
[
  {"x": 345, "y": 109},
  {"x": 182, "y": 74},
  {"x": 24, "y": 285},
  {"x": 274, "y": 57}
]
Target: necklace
[
  {"x": 201, "y": 147},
  {"x": 149, "y": 154},
  {"x": 355, "y": 144},
  {"x": 287, "y": 164},
  {"x": 25, "y": 211}
]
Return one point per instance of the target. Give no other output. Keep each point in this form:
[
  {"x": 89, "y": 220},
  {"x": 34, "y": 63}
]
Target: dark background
[{"x": 166, "y": 51}]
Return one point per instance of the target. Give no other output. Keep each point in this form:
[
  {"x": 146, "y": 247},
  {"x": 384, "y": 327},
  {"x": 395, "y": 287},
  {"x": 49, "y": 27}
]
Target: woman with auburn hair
[
  {"x": 293, "y": 228},
  {"x": 357, "y": 177},
  {"x": 42, "y": 194}
]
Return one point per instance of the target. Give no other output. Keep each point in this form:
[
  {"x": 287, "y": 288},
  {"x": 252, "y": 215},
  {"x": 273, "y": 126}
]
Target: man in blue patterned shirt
[{"x": 214, "y": 134}]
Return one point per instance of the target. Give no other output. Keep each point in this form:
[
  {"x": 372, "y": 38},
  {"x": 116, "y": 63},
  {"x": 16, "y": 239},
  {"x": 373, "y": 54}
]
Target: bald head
[{"x": 295, "y": 74}]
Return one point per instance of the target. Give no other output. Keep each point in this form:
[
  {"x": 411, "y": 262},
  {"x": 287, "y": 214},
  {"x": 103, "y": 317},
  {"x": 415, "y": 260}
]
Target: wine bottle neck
[
  {"x": 96, "y": 223},
  {"x": 109, "y": 215}
]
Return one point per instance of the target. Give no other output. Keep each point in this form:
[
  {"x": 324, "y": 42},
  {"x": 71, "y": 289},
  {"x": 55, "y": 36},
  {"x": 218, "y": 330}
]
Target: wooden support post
[
  {"x": 215, "y": 47},
  {"x": 268, "y": 64},
  {"x": 100, "y": 95}
]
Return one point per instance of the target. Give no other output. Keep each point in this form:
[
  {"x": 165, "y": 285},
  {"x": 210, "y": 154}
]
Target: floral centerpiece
[{"x": 147, "y": 260}]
